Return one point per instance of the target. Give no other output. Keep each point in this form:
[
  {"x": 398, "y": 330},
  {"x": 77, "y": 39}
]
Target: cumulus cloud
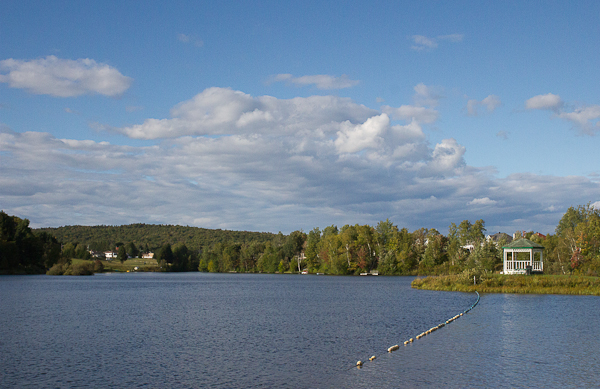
[
  {"x": 222, "y": 111},
  {"x": 63, "y": 77},
  {"x": 585, "y": 119},
  {"x": 548, "y": 101},
  {"x": 321, "y": 81},
  {"x": 411, "y": 112},
  {"x": 425, "y": 99},
  {"x": 421, "y": 42},
  {"x": 428, "y": 96},
  {"x": 229, "y": 160},
  {"x": 272, "y": 183},
  {"x": 490, "y": 103},
  {"x": 482, "y": 201},
  {"x": 354, "y": 138},
  {"x": 447, "y": 157}
]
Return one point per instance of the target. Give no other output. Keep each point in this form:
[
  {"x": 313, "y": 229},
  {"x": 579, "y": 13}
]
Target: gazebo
[{"x": 515, "y": 260}]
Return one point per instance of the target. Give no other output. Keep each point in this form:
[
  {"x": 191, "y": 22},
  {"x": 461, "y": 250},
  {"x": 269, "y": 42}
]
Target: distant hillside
[{"x": 151, "y": 235}]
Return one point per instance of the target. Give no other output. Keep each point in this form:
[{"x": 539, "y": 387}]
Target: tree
[
  {"x": 165, "y": 254},
  {"x": 68, "y": 250},
  {"x": 293, "y": 247},
  {"x": 435, "y": 251},
  {"x": 132, "y": 249},
  {"x": 312, "y": 249},
  {"x": 51, "y": 247},
  {"x": 122, "y": 254},
  {"x": 22, "y": 251},
  {"x": 181, "y": 257}
]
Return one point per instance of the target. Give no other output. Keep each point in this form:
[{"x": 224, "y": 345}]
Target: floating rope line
[{"x": 395, "y": 347}]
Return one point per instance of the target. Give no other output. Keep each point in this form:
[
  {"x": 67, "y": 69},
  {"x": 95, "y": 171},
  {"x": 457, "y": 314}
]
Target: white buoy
[
  {"x": 372, "y": 358},
  {"x": 359, "y": 363}
]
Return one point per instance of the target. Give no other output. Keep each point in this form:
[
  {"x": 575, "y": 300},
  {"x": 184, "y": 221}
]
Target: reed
[{"x": 497, "y": 283}]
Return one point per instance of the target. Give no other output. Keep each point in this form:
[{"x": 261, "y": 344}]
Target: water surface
[{"x": 198, "y": 330}]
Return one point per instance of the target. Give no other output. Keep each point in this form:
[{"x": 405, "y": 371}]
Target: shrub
[{"x": 56, "y": 270}]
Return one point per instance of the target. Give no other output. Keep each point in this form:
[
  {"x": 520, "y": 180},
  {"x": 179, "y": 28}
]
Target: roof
[
  {"x": 500, "y": 235},
  {"x": 523, "y": 244}
]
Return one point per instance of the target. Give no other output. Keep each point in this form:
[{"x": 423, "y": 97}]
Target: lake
[{"x": 204, "y": 330}]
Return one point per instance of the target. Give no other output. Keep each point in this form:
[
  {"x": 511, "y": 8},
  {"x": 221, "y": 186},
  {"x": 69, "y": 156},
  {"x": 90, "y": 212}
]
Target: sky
[{"x": 282, "y": 116}]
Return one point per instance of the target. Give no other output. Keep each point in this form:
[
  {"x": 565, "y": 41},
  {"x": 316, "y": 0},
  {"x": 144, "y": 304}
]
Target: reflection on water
[{"x": 257, "y": 331}]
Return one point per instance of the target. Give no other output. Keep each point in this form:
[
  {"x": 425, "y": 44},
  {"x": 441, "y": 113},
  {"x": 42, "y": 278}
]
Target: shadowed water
[{"x": 196, "y": 330}]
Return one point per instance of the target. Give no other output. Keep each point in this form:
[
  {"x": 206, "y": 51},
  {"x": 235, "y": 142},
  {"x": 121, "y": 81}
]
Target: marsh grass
[
  {"x": 128, "y": 265},
  {"x": 497, "y": 283}
]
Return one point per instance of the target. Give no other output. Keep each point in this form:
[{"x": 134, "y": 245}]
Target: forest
[{"x": 574, "y": 248}]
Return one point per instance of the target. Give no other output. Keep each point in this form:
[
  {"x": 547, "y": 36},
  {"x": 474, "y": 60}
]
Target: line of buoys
[{"x": 395, "y": 347}]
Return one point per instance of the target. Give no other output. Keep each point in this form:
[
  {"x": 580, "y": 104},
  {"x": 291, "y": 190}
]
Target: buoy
[
  {"x": 405, "y": 342},
  {"x": 372, "y": 358},
  {"x": 359, "y": 363},
  {"x": 410, "y": 340}
]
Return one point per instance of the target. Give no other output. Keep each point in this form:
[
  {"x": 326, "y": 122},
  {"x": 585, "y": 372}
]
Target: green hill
[{"x": 153, "y": 236}]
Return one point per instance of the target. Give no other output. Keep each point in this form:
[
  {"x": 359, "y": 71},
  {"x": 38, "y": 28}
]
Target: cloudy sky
[{"x": 277, "y": 116}]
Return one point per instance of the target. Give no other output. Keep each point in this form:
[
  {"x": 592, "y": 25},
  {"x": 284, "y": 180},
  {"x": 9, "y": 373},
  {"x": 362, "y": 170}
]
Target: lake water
[{"x": 199, "y": 330}]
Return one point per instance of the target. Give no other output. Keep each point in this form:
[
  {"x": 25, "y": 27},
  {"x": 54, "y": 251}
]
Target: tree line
[{"x": 351, "y": 249}]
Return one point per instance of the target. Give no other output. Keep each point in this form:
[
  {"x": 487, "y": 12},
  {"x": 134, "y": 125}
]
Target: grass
[
  {"x": 497, "y": 283},
  {"x": 128, "y": 265}
]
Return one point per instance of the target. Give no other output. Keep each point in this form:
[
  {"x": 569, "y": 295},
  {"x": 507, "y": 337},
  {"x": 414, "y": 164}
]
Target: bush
[
  {"x": 56, "y": 270},
  {"x": 79, "y": 269},
  {"x": 98, "y": 266}
]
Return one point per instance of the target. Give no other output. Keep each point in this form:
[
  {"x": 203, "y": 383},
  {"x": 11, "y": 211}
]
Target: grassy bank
[
  {"x": 496, "y": 283},
  {"x": 116, "y": 266}
]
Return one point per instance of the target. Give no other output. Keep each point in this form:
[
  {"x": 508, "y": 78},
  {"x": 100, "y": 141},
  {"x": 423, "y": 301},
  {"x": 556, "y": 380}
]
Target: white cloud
[
  {"x": 547, "y": 101},
  {"x": 411, "y": 112},
  {"x": 447, "y": 157},
  {"x": 321, "y": 81},
  {"x": 63, "y": 77},
  {"x": 491, "y": 103},
  {"x": 428, "y": 96},
  {"x": 221, "y": 111},
  {"x": 354, "y": 138},
  {"x": 421, "y": 42},
  {"x": 271, "y": 184},
  {"x": 424, "y": 97},
  {"x": 270, "y": 164},
  {"x": 482, "y": 201},
  {"x": 586, "y": 119}
]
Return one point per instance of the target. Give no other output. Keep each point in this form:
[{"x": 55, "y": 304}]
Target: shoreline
[{"x": 519, "y": 284}]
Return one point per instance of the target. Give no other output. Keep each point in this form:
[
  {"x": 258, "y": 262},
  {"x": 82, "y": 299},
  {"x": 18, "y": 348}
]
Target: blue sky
[{"x": 277, "y": 116}]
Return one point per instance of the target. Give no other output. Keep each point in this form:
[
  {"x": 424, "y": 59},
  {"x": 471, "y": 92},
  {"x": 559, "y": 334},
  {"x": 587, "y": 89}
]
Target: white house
[{"x": 109, "y": 255}]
